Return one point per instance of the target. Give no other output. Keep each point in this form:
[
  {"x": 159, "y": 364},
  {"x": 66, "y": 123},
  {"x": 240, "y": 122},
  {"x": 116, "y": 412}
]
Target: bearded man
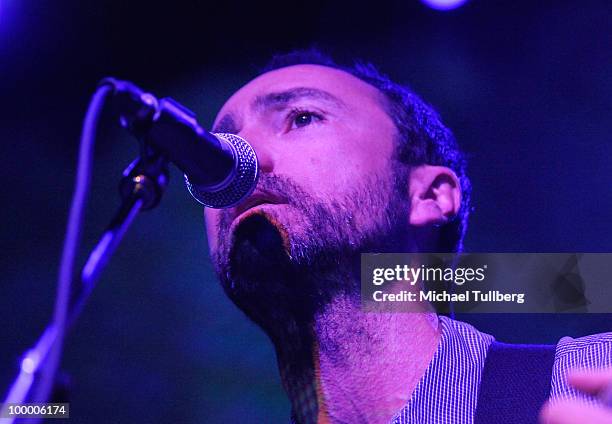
[{"x": 352, "y": 162}]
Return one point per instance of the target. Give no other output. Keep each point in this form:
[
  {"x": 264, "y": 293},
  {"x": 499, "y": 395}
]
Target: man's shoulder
[
  {"x": 587, "y": 348},
  {"x": 588, "y": 352}
]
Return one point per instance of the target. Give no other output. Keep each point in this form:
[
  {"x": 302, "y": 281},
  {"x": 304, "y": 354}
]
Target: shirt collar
[{"x": 448, "y": 391}]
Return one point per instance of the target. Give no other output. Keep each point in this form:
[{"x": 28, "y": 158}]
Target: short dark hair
[{"x": 423, "y": 138}]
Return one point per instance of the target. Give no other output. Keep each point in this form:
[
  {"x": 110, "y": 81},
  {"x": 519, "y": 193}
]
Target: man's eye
[{"x": 302, "y": 118}]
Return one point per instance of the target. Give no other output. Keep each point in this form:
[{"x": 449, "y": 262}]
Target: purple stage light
[{"x": 443, "y": 4}]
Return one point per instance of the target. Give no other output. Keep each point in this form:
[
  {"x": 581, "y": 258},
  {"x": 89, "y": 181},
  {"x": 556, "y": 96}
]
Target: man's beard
[{"x": 276, "y": 267}]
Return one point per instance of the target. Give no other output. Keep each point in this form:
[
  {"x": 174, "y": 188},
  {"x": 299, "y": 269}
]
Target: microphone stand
[{"x": 141, "y": 188}]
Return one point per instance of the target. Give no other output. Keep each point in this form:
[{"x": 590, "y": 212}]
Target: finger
[
  {"x": 574, "y": 412},
  {"x": 590, "y": 381}
]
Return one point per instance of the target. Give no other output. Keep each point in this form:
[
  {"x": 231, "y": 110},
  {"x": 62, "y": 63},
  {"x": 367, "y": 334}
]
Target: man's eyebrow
[
  {"x": 282, "y": 98},
  {"x": 228, "y": 124}
]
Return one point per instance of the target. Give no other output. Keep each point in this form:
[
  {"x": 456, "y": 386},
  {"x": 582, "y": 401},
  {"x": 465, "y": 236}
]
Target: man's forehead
[{"x": 339, "y": 84}]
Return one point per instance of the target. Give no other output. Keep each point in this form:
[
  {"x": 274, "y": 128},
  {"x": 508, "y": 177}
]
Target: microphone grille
[{"x": 241, "y": 184}]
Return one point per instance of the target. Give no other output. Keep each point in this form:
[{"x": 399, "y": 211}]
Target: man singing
[{"x": 352, "y": 162}]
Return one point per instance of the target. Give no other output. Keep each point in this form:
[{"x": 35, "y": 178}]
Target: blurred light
[
  {"x": 443, "y": 4},
  {"x": 30, "y": 362}
]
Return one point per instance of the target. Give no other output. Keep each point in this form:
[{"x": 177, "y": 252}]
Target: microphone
[{"x": 220, "y": 170}]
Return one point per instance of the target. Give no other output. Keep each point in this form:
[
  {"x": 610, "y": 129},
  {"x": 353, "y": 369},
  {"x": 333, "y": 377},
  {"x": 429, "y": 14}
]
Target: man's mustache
[
  {"x": 277, "y": 187},
  {"x": 272, "y": 187}
]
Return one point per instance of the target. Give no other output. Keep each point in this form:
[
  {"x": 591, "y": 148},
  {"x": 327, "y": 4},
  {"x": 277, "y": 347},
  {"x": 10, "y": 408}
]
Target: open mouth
[{"x": 249, "y": 207}]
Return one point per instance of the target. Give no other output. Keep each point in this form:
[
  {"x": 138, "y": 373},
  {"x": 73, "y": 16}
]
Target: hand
[{"x": 597, "y": 383}]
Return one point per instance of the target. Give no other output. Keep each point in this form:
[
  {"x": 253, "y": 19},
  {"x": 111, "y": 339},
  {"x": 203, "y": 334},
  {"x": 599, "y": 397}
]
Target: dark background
[{"x": 526, "y": 86}]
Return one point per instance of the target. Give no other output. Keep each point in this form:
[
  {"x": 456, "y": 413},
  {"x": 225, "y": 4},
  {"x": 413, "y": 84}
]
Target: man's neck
[{"x": 358, "y": 367}]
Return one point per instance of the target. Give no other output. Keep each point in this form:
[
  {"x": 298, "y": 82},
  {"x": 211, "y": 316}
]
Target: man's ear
[{"x": 435, "y": 195}]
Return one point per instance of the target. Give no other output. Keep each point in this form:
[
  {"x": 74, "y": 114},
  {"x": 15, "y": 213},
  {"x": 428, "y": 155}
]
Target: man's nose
[{"x": 263, "y": 149}]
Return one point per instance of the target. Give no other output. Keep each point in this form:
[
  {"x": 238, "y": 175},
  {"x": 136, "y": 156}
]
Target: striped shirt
[{"x": 448, "y": 391}]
